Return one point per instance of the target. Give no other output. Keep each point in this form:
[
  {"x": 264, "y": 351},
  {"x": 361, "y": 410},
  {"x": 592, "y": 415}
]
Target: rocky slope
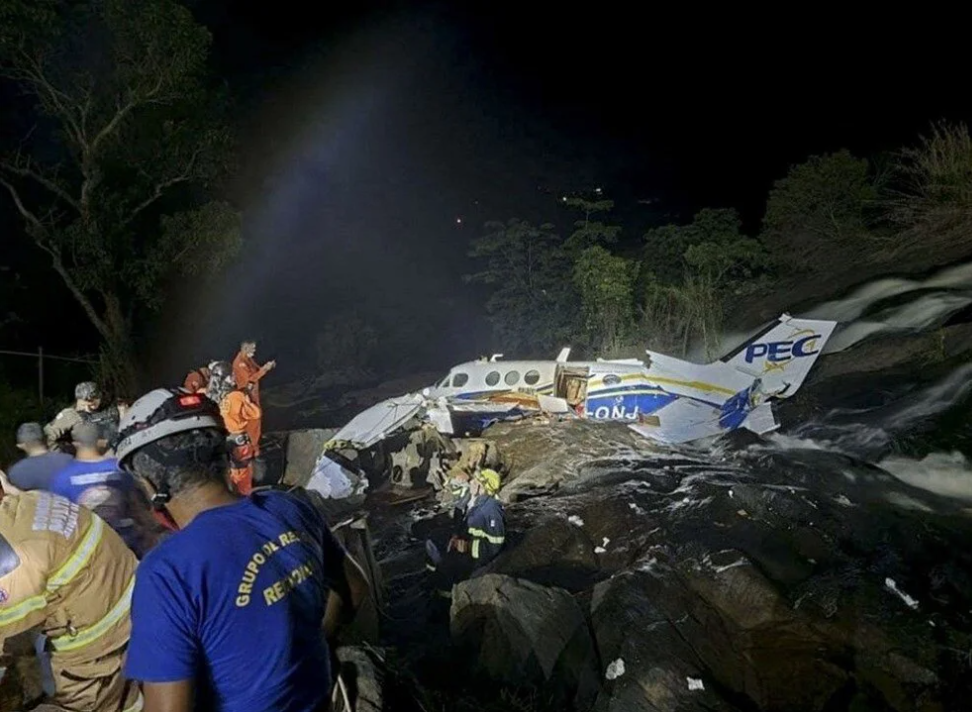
[{"x": 739, "y": 579}]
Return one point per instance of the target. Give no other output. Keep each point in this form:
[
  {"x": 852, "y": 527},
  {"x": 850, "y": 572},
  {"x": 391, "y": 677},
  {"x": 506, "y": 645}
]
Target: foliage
[
  {"x": 711, "y": 243},
  {"x": 127, "y": 131},
  {"x": 690, "y": 273},
  {"x": 819, "y": 210},
  {"x": 590, "y": 231},
  {"x": 933, "y": 191},
  {"x": 606, "y": 286},
  {"x": 346, "y": 348},
  {"x": 16, "y": 406},
  {"x": 533, "y": 298}
]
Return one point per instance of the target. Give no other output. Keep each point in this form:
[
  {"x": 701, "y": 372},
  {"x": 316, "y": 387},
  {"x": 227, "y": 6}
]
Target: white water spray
[{"x": 945, "y": 474}]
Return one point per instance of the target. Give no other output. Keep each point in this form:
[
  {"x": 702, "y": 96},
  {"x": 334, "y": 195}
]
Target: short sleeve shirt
[{"x": 236, "y": 601}]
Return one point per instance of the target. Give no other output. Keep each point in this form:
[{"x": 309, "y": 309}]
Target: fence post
[{"x": 40, "y": 374}]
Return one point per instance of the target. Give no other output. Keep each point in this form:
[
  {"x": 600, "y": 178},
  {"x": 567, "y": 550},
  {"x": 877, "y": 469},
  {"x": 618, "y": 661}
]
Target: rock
[
  {"x": 540, "y": 455},
  {"x": 553, "y": 553},
  {"x": 362, "y": 678},
  {"x": 304, "y": 447},
  {"x": 518, "y": 633}
]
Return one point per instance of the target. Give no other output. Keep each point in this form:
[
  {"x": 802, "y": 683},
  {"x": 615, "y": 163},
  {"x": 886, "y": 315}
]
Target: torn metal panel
[{"x": 379, "y": 421}]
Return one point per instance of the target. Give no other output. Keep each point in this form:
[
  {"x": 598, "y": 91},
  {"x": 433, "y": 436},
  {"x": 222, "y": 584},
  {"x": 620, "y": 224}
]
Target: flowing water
[{"x": 918, "y": 431}]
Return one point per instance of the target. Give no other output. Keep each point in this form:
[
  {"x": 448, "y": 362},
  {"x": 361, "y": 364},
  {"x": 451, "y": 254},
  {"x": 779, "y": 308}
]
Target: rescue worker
[
  {"x": 95, "y": 481},
  {"x": 198, "y": 381},
  {"x": 87, "y": 398},
  {"x": 238, "y": 412},
  {"x": 35, "y": 471},
  {"x": 481, "y": 535},
  {"x": 65, "y": 571},
  {"x": 227, "y": 612},
  {"x": 247, "y": 375}
]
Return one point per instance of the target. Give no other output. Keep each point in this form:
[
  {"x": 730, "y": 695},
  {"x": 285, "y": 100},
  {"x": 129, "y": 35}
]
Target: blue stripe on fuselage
[{"x": 626, "y": 407}]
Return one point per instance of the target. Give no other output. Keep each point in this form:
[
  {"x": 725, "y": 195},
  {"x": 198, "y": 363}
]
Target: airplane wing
[{"x": 378, "y": 422}]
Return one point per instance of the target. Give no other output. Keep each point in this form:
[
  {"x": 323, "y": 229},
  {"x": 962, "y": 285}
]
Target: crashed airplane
[{"x": 662, "y": 398}]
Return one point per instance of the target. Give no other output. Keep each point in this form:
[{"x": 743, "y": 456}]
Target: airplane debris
[
  {"x": 615, "y": 669},
  {"x": 662, "y": 398},
  {"x": 892, "y": 586}
]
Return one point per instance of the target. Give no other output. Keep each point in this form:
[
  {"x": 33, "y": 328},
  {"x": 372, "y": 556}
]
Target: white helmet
[{"x": 160, "y": 413}]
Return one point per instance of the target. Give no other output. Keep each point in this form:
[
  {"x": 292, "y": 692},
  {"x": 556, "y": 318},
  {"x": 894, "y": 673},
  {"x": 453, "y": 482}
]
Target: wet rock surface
[{"x": 735, "y": 578}]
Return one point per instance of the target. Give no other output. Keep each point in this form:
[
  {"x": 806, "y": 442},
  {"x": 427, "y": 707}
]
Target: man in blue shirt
[
  {"x": 35, "y": 471},
  {"x": 229, "y": 613},
  {"x": 96, "y": 482}
]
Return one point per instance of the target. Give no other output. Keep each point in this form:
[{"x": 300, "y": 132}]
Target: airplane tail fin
[{"x": 782, "y": 354}]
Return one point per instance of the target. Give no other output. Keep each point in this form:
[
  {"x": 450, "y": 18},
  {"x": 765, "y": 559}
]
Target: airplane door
[{"x": 570, "y": 383}]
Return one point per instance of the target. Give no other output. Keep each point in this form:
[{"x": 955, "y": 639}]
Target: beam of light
[{"x": 296, "y": 229}]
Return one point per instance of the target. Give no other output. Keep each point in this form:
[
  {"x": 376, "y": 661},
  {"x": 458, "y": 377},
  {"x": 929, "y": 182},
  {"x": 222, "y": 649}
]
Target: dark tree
[{"x": 114, "y": 171}]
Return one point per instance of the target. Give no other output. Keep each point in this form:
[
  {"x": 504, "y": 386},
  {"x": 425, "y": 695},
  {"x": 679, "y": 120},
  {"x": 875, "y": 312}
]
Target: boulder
[
  {"x": 521, "y": 634},
  {"x": 553, "y": 553},
  {"x": 541, "y": 454},
  {"x": 362, "y": 680},
  {"x": 304, "y": 447}
]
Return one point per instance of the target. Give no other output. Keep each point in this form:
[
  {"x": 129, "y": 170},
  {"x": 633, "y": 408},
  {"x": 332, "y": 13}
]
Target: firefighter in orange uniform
[
  {"x": 239, "y": 412},
  {"x": 64, "y": 571},
  {"x": 198, "y": 381},
  {"x": 247, "y": 375}
]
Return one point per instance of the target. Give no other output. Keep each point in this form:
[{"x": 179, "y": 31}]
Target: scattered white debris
[
  {"x": 600, "y": 550},
  {"x": 841, "y": 499},
  {"x": 648, "y": 566},
  {"x": 605, "y": 542},
  {"x": 730, "y": 494},
  {"x": 615, "y": 670},
  {"x": 575, "y": 520},
  {"x": 635, "y": 508},
  {"x": 694, "y": 684},
  {"x": 890, "y": 584}
]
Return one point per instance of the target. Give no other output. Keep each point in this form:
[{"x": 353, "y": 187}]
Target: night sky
[{"x": 369, "y": 130}]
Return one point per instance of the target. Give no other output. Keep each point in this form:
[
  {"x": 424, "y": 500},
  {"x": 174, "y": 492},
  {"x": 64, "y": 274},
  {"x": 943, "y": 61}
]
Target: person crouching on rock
[
  {"x": 238, "y": 411},
  {"x": 481, "y": 535}
]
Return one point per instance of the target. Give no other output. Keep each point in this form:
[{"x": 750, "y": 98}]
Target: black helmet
[{"x": 87, "y": 391}]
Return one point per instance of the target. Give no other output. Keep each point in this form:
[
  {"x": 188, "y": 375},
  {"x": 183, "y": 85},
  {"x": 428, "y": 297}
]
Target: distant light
[
  {"x": 597, "y": 190},
  {"x": 564, "y": 198},
  {"x": 458, "y": 221}
]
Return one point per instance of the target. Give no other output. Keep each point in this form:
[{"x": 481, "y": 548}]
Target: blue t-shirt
[
  {"x": 106, "y": 490},
  {"x": 36, "y": 472},
  {"x": 236, "y": 601}
]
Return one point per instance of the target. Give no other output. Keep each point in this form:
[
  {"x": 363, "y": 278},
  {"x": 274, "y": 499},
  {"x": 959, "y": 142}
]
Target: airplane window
[
  {"x": 512, "y": 377},
  {"x": 460, "y": 379},
  {"x": 532, "y": 378},
  {"x": 492, "y": 378}
]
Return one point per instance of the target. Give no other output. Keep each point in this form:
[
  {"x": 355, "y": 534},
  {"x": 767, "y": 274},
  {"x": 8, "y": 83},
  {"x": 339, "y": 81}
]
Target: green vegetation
[
  {"x": 114, "y": 176},
  {"x": 833, "y": 215}
]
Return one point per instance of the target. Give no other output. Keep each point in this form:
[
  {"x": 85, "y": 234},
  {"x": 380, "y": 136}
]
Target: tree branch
[
  {"x": 32, "y": 71},
  {"x": 161, "y": 187},
  {"x": 23, "y": 169},
  {"x": 39, "y": 233}
]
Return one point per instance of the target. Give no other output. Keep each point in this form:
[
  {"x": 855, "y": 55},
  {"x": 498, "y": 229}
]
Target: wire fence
[{"x": 43, "y": 361}]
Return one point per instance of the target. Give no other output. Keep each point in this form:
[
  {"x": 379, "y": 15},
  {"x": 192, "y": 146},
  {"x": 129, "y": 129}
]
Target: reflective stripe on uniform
[
  {"x": 64, "y": 575},
  {"x": 79, "y": 557},
  {"x": 92, "y": 633},
  {"x": 481, "y": 534},
  {"x": 21, "y": 610},
  {"x": 475, "y": 547}
]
